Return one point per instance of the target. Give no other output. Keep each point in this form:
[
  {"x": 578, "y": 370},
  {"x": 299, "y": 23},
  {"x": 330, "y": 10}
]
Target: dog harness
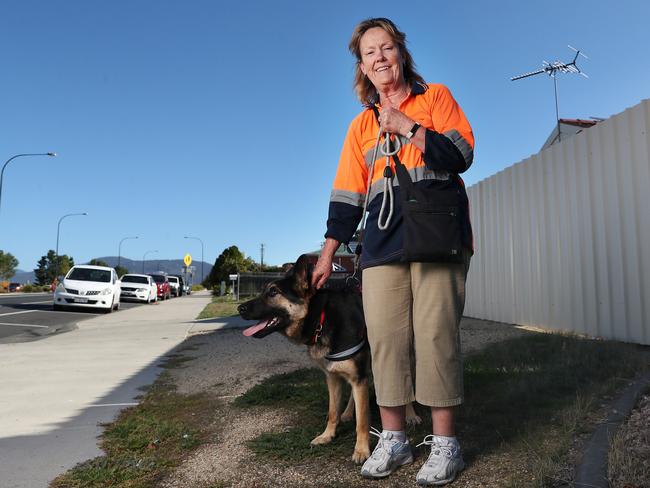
[{"x": 341, "y": 355}]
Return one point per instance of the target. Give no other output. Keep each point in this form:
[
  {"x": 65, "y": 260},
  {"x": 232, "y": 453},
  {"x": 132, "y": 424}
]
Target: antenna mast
[{"x": 552, "y": 69}]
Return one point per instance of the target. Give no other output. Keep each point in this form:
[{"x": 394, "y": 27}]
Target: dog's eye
[{"x": 272, "y": 292}]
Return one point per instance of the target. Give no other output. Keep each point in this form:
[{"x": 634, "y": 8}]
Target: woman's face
[{"x": 381, "y": 60}]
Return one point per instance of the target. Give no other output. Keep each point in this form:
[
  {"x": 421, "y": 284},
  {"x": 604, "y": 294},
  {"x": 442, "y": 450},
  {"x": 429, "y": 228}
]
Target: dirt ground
[{"x": 228, "y": 364}]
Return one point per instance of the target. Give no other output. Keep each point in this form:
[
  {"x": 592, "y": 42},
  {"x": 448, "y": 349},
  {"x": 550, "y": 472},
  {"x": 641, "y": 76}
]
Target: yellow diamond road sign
[{"x": 187, "y": 260}]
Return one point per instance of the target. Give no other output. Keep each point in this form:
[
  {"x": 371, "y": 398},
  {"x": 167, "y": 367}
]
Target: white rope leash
[{"x": 388, "y": 198}]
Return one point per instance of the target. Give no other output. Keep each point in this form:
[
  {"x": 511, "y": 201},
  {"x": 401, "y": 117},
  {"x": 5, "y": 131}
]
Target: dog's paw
[
  {"x": 413, "y": 419},
  {"x": 360, "y": 454},
  {"x": 322, "y": 439}
]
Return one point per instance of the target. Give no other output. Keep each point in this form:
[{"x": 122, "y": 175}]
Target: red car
[{"x": 164, "y": 291}]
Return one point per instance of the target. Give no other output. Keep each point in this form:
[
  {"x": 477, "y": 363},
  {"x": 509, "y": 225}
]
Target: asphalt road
[{"x": 29, "y": 316}]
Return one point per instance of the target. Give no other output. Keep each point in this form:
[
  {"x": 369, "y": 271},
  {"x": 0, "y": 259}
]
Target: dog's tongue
[{"x": 254, "y": 328}]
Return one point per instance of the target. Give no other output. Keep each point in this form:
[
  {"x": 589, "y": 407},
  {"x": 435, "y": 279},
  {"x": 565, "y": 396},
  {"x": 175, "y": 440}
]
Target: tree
[
  {"x": 8, "y": 264},
  {"x": 48, "y": 270},
  {"x": 272, "y": 269},
  {"x": 121, "y": 271},
  {"x": 97, "y": 262},
  {"x": 230, "y": 261}
]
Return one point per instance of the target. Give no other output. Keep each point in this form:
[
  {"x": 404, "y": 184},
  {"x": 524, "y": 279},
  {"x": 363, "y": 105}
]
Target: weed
[
  {"x": 145, "y": 441},
  {"x": 526, "y": 398},
  {"x": 220, "y": 307}
]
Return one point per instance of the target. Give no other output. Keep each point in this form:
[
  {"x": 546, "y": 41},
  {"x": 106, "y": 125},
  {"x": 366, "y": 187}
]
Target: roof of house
[{"x": 568, "y": 128}]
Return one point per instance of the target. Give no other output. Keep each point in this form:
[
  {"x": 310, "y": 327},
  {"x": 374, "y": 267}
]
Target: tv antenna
[{"x": 552, "y": 69}]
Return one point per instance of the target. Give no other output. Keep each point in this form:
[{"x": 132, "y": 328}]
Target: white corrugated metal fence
[{"x": 563, "y": 238}]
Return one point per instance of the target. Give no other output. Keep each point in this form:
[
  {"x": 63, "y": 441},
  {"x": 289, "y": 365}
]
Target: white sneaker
[
  {"x": 443, "y": 464},
  {"x": 389, "y": 454}
]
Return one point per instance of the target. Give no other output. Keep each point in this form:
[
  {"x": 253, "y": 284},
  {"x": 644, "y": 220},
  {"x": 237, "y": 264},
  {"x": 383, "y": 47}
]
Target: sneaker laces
[
  {"x": 384, "y": 445},
  {"x": 436, "y": 448}
]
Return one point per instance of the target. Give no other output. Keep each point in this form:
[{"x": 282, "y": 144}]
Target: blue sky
[{"x": 228, "y": 117}]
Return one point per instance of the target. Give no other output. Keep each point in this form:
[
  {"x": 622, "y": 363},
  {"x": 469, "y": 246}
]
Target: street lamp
[
  {"x": 19, "y": 156},
  {"x": 119, "y": 249},
  {"x": 190, "y": 237},
  {"x": 143, "y": 256},
  {"x": 58, "y": 229}
]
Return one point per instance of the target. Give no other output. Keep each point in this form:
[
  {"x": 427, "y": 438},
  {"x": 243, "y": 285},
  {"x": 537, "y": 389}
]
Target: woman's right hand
[
  {"x": 322, "y": 271},
  {"x": 323, "y": 268}
]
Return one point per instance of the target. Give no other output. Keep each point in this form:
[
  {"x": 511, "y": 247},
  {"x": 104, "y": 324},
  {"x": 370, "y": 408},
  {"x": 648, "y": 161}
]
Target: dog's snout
[{"x": 242, "y": 309}]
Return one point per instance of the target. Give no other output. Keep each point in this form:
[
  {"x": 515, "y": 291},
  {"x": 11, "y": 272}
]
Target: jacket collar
[{"x": 416, "y": 89}]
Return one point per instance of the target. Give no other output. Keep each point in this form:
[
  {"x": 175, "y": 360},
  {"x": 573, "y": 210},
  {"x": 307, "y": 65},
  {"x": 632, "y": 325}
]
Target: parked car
[
  {"x": 174, "y": 285},
  {"x": 14, "y": 287},
  {"x": 164, "y": 291},
  {"x": 88, "y": 286},
  {"x": 139, "y": 287},
  {"x": 181, "y": 284}
]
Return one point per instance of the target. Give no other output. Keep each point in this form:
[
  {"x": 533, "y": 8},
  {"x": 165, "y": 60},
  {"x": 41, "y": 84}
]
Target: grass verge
[
  {"x": 220, "y": 307},
  {"x": 146, "y": 441},
  {"x": 629, "y": 450},
  {"x": 526, "y": 400}
]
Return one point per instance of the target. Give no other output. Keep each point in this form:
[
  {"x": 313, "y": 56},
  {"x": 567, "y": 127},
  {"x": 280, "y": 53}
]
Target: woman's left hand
[{"x": 395, "y": 122}]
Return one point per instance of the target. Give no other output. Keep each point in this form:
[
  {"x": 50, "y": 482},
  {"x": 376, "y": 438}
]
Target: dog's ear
[{"x": 301, "y": 273}]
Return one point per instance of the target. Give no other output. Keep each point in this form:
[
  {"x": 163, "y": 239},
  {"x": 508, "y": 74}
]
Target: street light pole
[
  {"x": 190, "y": 237},
  {"x": 2, "y": 173},
  {"x": 58, "y": 230},
  {"x": 144, "y": 255},
  {"x": 119, "y": 249}
]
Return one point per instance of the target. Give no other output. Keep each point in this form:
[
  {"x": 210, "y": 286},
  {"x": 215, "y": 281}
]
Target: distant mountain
[
  {"x": 170, "y": 266},
  {"x": 23, "y": 277}
]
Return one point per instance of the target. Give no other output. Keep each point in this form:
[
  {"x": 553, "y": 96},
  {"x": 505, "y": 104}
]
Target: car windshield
[
  {"x": 90, "y": 274},
  {"x": 172, "y": 279},
  {"x": 158, "y": 278},
  {"x": 134, "y": 279}
]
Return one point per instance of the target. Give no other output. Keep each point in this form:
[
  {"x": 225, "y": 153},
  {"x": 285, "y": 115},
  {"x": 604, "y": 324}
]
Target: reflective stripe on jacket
[{"x": 449, "y": 150}]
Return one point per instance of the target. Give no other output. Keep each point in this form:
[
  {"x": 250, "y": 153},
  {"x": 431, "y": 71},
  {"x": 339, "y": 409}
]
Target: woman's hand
[
  {"x": 394, "y": 121},
  {"x": 322, "y": 271},
  {"x": 323, "y": 268}
]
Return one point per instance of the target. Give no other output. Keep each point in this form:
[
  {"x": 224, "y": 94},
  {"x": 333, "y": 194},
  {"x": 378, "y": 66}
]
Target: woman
[{"x": 412, "y": 309}]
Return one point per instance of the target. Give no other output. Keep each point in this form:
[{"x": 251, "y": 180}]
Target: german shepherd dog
[{"x": 331, "y": 324}]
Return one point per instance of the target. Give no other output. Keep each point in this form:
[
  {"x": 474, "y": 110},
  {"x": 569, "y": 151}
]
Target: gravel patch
[{"x": 227, "y": 364}]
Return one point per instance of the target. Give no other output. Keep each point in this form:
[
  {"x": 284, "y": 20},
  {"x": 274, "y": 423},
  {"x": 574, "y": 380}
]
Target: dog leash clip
[{"x": 319, "y": 329}]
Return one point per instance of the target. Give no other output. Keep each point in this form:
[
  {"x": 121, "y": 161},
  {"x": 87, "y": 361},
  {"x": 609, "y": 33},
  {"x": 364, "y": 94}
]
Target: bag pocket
[{"x": 432, "y": 232}]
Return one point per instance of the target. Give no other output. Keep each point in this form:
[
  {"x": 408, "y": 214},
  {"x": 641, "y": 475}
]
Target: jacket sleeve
[
  {"x": 450, "y": 146},
  {"x": 349, "y": 189}
]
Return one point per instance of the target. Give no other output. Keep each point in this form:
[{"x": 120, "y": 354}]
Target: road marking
[
  {"x": 16, "y": 295},
  {"x": 114, "y": 405},
  {"x": 25, "y": 325},
  {"x": 34, "y": 303},
  {"x": 16, "y": 313}
]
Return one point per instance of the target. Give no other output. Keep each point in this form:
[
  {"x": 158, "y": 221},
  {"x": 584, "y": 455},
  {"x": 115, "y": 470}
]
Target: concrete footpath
[{"x": 54, "y": 392}]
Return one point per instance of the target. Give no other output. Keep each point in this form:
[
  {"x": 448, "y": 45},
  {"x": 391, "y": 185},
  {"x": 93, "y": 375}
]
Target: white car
[
  {"x": 139, "y": 287},
  {"x": 174, "y": 285},
  {"x": 89, "y": 286}
]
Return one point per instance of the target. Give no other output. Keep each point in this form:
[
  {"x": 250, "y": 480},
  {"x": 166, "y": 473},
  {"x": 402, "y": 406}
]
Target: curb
[{"x": 592, "y": 470}]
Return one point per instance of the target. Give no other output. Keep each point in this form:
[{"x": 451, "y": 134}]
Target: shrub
[{"x": 197, "y": 287}]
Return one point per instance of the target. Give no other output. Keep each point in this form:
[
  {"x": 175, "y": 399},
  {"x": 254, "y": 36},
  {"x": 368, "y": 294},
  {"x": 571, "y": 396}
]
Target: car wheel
[
  {"x": 110, "y": 309},
  {"x": 117, "y": 306}
]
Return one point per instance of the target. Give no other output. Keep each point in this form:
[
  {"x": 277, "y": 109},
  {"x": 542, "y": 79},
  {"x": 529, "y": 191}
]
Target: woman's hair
[{"x": 365, "y": 89}]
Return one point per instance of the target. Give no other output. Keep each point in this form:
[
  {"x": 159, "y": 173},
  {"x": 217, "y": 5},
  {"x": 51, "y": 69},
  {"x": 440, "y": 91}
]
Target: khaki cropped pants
[{"x": 412, "y": 312}]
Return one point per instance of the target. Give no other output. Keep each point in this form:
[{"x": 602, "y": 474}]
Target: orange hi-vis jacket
[{"x": 449, "y": 150}]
